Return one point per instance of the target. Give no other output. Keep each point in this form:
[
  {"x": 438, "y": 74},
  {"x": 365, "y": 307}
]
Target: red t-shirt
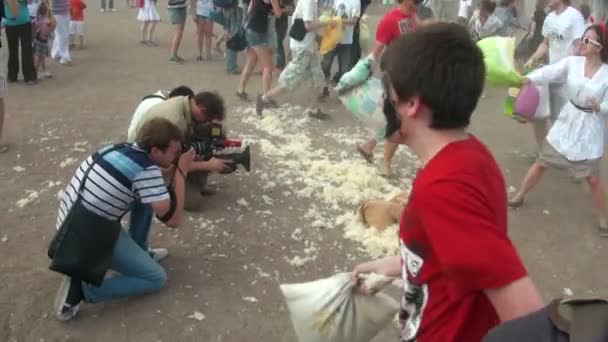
[
  {"x": 77, "y": 10},
  {"x": 393, "y": 24},
  {"x": 454, "y": 244}
]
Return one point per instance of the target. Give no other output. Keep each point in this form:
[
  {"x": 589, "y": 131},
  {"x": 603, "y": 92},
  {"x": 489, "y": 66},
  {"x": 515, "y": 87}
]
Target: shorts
[
  {"x": 178, "y": 15},
  {"x": 267, "y": 39},
  {"x": 304, "y": 65},
  {"x": 549, "y": 156},
  {"x": 77, "y": 28},
  {"x": 41, "y": 48},
  {"x": 198, "y": 16}
]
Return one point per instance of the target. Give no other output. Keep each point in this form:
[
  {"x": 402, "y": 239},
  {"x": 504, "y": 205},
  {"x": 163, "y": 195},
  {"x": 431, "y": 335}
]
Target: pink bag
[{"x": 527, "y": 102}]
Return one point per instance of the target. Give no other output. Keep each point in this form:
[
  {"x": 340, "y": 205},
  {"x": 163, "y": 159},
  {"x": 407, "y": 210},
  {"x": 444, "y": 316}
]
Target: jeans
[
  {"x": 20, "y": 35},
  {"x": 344, "y": 53},
  {"x": 110, "y": 2},
  {"x": 138, "y": 272},
  {"x": 235, "y": 21},
  {"x": 281, "y": 25}
]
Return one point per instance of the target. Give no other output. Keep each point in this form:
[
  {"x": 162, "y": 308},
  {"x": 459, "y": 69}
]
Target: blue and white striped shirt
[{"x": 117, "y": 179}]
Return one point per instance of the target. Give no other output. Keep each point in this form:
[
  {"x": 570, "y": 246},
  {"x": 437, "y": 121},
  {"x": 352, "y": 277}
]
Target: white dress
[
  {"x": 148, "y": 12},
  {"x": 577, "y": 135}
]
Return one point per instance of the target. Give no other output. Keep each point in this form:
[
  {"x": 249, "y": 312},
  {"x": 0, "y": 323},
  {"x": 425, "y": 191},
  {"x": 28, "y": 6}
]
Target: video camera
[{"x": 208, "y": 140}]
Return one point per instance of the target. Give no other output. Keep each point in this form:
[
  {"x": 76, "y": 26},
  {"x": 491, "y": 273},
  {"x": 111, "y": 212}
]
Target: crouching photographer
[
  {"x": 199, "y": 118},
  {"x": 90, "y": 239}
]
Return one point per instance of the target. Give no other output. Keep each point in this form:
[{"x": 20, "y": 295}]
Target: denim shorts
[
  {"x": 178, "y": 15},
  {"x": 268, "y": 39}
]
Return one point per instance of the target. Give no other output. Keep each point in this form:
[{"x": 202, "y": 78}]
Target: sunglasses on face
[{"x": 591, "y": 42}]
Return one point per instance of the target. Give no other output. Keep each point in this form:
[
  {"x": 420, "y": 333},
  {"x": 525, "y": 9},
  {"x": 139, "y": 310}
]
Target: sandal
[
  {"x": 243, "y": 96},
  {"x": 369, "y": 157},
  {"x": 515, "y": 204},
  {"x": 3, "y": 148}
]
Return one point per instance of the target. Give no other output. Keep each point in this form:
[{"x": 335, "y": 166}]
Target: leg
[
  {"x": 281, "y": 25},
  {"x": 532, "y": 178},
  {"x": 344, "y": 59},
  {"x": 81, "y": 41},
  {"x": 389, "y": 152},
  {"x": 252, "y": 60},
  {"x": 111, "y": 5},
  {"x": 327, "y": 62},
  {"x": 144, "y": 31},
  {"x": 63, "y": 31},
  {"x": 103, "y": 5},
  {"x": 200, "y": 32},
  {"x": 599, "y": 198},
  {"x": 208, "y": 36},
  {"x": 265, "y": 55},
  {"x": 151, "y": 31},
  {"x": 12, "y": 37},
  {"x": 540, "y": 128},
  {"x": 367, "y": 150},
  {"x": 140, "y": 222},
  {"x": 139, "y": 274},
  {"x": 178, "y": 31}
]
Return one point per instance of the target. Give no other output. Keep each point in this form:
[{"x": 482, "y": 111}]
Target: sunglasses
[{"x": 588, "y": 41}]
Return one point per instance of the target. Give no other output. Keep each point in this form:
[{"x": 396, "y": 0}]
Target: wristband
[{"x": 181, "y": 172}]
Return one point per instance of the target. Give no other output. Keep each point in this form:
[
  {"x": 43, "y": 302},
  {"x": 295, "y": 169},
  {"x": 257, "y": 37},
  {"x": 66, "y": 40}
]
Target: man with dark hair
[
  {"x": 461, "y": 272},
  {"x": 150, "y": 101},
  {"x": 186, "y": 112},
  {"x": 119, "y": 177}
]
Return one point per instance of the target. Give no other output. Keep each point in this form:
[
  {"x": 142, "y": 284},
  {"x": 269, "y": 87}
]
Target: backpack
[{"x": 225, "y": 4}]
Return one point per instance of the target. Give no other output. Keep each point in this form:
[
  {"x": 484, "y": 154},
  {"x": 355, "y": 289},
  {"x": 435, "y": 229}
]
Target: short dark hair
[
  {"x": 213, "y": 104},
  {"x": 488, "y": 5},
  {"x": 601, "y": 39},
  {"x": 585, "y": 11},
  {"x": 444, "y": 67},
  {"x": 181, "y": 91},
  {"x": 157, "y": 132}
]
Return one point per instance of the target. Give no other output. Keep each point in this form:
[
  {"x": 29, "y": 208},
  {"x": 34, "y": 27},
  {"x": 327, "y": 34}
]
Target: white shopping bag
[{"x": 327, "y": 310}]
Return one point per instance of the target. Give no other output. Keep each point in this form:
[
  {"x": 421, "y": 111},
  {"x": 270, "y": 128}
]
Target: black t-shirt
[
  {"x": 258, "y": 19},
  {"x": 539, "y": 20}
]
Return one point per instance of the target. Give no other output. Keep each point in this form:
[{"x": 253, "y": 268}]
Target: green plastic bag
[{"x": 498, "y": 55}]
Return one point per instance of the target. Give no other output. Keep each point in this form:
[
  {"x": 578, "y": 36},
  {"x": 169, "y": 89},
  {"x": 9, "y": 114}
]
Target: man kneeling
[{"x": 116, "y": 180}]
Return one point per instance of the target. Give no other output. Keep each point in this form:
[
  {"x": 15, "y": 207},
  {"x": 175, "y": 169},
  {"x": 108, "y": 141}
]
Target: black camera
[{"x": 208, "y": 140}]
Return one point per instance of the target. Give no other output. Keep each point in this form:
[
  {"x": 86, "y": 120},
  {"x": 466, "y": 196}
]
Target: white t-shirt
[
  {"x": 463, "y": 8},
  {"x": 306, "y": 10},
  {"x": 350, "y": 9},
  {"x": 562, "y": 30},
  {"x": 141, "y": 109}
]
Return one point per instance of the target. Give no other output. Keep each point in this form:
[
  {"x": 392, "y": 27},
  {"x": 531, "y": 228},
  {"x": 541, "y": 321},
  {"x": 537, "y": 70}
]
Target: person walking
[
  {"x": 204, "y": 27},
  {"x": 234, "y": 19},
  {"x": 178, "y": 13},
  {"x": 262, "y": 40},
  {"x": 18, "y": 27},
  {"x": 61, "y": 44},
  {"x": 149, "y": 17},
  {"x": 576, "y": 141},
  {"x": 13, "y": 6}
]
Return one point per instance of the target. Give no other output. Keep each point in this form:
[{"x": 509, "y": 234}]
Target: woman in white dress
[
  {"x": 204, "y": 28},
  {"x": 148, "y": 15},
  {"x": 576, "y": 140}
]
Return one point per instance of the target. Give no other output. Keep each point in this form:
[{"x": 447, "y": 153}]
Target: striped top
[
  {"x": 117, "y": 179},
  {"x": 60, "y": 7},
  {"x": 177, "y": 4}
]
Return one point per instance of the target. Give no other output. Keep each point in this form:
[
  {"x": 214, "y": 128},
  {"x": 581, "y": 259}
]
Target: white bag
[
  {"x": 366, "y": 103},
  {"x": 327, "y": 310}
]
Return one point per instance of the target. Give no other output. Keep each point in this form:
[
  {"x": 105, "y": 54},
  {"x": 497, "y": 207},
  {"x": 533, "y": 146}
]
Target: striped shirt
[
  {"x": 177, "y": 4},
  {"x": 60, "y": 7},
  {"x": 116, "y": 180}
]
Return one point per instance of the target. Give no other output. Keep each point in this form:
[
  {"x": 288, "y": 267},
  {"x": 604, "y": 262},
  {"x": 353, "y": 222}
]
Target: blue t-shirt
[{"x": 23, "y": 17}]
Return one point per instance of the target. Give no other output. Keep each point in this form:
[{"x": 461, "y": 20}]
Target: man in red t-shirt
[
  {"x": 461, "y": 273},
  {"x": 400, "y": 20}
]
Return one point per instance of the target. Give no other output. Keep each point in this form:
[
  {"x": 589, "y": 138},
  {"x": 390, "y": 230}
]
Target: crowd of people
[{"x": 462, "y": 274}]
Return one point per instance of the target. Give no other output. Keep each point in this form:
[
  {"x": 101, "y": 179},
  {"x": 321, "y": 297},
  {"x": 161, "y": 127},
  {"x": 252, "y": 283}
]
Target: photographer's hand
[{"x": 218, "y": 164}]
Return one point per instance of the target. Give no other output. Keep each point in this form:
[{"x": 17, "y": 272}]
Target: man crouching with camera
[
  {"x": 106, "y": 185},
  {"x": 203, "y": 112}
]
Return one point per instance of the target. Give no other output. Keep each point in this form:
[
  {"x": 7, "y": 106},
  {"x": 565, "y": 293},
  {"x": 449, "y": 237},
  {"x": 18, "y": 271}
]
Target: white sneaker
[
  {"x": 158, "y": 254},
  {"x": 46, "y": 74},
  {"x": 103, "y": 10},
  {"x": 65, "y": 62}
]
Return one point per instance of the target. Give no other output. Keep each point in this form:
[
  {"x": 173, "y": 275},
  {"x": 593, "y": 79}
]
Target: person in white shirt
[
  {"x": 561, "y": 29},
  {"x": 305, "y": 63},
  {"x": 464, "y": 10},
  {"x": 149, "y": 102},
  {"x": 349, "y": 10},
  {"x": 576, "y": 140}
]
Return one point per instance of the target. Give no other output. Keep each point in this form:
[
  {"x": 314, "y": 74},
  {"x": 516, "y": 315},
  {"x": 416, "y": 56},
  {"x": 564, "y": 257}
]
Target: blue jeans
[
  {"x": 234, "y": 17},
  {"x": 139, "y": 273}
]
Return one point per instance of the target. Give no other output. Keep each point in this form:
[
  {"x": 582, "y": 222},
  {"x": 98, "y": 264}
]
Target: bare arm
[
  {"x": 515, "y": 300},
  {"x": 276, "y": 8},
  {"x": 312, "y": 26},
  {"x": 378, "y": 50},
  {"x": 541, "y": 52},
  {"x": 13, "y": 6},
  {"x": 162, "y": 208}
]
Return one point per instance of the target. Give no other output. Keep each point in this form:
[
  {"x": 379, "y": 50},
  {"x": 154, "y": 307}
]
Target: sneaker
[
  {"x": 102, "y": 10},
  {"x": 603, "y": 230},
  {"x": 259, "y": 105},
  {"x": 65, "y": 62},
  {"x": 176, "y": 59},
  {"x": 46, "y": 74},
  {"x": 67, "y": 301},
  {"x": 158, "y": 254}
]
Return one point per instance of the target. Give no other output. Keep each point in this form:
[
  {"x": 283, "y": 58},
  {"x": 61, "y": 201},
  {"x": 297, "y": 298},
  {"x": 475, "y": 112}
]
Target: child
[
  {"x": 77, "y": 22},
  {"x": 42, "y": 35},
  {"x": 148, "y": 15}
]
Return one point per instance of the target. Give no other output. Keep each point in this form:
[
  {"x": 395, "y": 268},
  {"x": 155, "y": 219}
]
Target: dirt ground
[{"x": 237, "y": 246}]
